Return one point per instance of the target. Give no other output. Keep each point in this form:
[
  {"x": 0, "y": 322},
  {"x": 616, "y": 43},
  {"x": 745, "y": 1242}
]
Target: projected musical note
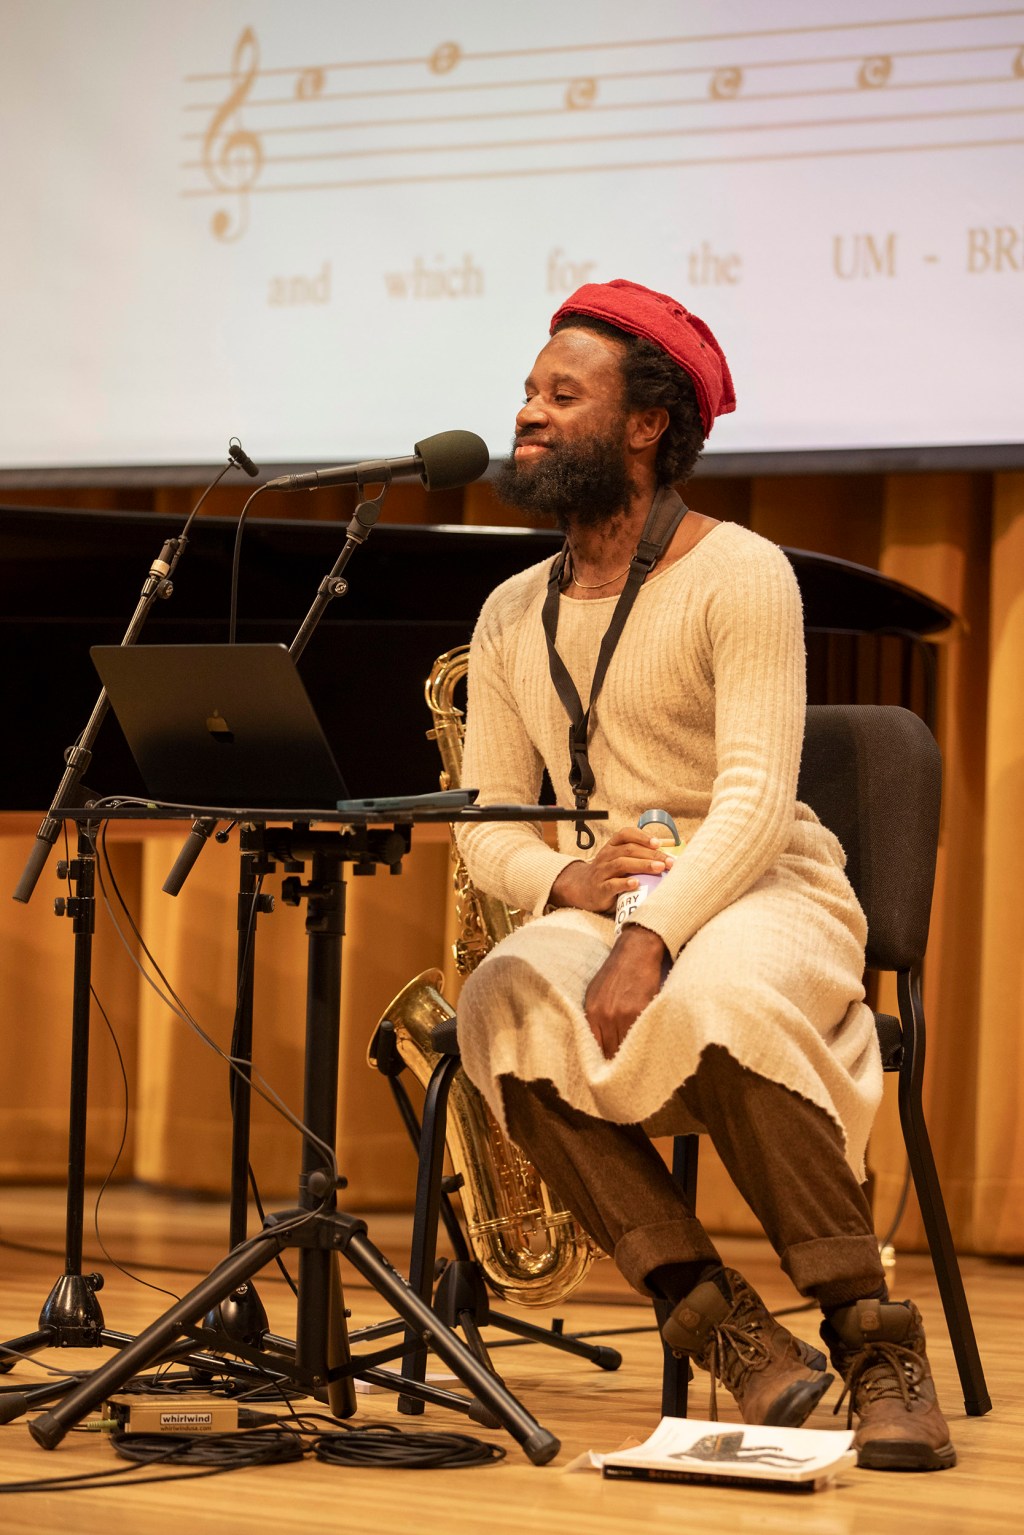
[
  {"x": 725, "y": 83},
  {"x": 310, "y": 84},
  {"x": 847, "y": 86},
  {"x": 233, "y": 157},
  {"x": 444, "y": 58},
  {"x": 875, "y": 71},
  {"x": 581, "y": 93}
]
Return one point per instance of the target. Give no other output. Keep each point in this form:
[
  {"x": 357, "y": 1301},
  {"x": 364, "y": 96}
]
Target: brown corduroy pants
[{"x": 784, "y": 1154}]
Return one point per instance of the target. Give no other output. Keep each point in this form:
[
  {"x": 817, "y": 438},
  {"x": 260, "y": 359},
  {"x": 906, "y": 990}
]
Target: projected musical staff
[{"x": 843, "y": 88}]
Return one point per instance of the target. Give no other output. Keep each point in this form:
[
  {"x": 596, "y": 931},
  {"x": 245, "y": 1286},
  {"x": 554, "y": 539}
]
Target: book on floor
[{"x": 734, "y": 1454}]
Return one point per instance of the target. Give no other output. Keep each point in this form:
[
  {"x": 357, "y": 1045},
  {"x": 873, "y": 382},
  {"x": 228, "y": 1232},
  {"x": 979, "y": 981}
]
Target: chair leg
[
  {"x": 463, "y": 1277},
  {"x": 929, "y": 1193},
  {"x": 676, "y": 1373},
  {"x": 685, "y": 1152}
]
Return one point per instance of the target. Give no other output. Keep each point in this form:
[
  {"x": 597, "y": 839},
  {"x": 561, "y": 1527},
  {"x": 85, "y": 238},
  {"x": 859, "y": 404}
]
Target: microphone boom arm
[
  {"x": 77, "y": 758},
  {"x": 333, "y": 585}
]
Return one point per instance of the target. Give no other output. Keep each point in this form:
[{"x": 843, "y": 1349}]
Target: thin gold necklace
[{"x": 594, "y": 586}]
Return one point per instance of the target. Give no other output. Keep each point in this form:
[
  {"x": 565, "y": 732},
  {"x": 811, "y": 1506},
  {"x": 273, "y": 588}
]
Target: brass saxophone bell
[{"x": 531, "y": 1250}]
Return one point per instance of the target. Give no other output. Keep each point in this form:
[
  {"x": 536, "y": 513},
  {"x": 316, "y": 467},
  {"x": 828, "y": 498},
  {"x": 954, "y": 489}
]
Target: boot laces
[
  {"x": 737, "y": 1348},
  {"x": 882, "y": 1370}
]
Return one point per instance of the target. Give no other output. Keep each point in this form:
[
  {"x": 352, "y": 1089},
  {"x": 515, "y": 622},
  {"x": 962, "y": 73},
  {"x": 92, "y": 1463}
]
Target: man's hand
[
  {"x": 596, "y": 885},
  {"x": 630, "y": 977}
]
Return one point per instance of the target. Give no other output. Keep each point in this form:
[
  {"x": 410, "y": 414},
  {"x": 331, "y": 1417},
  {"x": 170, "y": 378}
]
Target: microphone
[
  {"x": 241, "y": 458},
  {"x": 443, "y": 462}
]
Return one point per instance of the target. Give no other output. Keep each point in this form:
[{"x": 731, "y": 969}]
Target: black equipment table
[{"x": 320, "y": 1361}]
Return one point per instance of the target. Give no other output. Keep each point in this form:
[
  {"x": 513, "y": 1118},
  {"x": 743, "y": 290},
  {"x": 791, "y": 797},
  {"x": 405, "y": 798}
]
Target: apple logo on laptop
[{"x": 220, "y": 730}]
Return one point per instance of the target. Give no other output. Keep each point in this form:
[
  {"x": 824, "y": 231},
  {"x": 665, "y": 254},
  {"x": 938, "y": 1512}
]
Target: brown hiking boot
[
  {"x": 774, "y": 1377},
  {"x": 878, "y": 1349}
]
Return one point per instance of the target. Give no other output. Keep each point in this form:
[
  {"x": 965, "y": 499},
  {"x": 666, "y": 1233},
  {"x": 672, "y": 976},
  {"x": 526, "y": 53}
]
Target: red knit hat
[{"x": 660, "y": 319}]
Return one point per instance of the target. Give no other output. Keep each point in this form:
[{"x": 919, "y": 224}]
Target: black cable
[
  {"x": 173, "y": 1001},
  {"x": 261, "y": 1212},
  {"x": 806, "y": 1305},
  {"x": 37, "y": 1251},
  {"x": 104, "y": 1249},
  {"x": 382, "y": 1446},
  {"x": 225, "y": 1452},
  {"x": 390, "y": 1448},
  {"x": 88, "y": 1479},
  {"x": 356, "y": 1282},
  {"x": 13, "y": 1356},
  {"x": 170, "y": 1382},
  {"x": 236, "y": 559}
]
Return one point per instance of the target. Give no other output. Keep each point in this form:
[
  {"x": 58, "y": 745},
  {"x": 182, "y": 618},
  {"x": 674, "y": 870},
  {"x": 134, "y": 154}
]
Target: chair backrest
[{"x": 873, "y": 774}]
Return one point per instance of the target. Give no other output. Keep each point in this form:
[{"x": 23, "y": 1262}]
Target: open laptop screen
[{"x": 228, "y": 725}]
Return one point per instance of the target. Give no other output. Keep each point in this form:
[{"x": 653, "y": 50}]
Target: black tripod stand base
[
  {"x": 71, "y": 1318},
  {"x": 72, "y": 1314},
  {"x": 317, "y": 1232},
  {"x": 242, "y": 1316}
]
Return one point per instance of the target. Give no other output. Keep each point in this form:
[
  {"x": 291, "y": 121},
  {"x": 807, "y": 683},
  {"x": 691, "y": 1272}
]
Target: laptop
[{"x": 221, "y": 725}]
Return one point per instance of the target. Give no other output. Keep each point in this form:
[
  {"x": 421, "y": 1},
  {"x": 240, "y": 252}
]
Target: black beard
[{"x": 582, "y": 483}]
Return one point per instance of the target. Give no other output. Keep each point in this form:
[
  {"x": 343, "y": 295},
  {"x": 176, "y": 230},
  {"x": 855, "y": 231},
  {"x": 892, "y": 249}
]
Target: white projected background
[{"x": 334, "y": 228}]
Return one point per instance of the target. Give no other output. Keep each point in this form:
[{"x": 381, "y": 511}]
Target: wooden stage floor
[{"x": 585, "y": 1407}]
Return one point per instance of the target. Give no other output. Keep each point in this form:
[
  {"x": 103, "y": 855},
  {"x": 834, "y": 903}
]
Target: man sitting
[{"x": 732, "y": 1000}]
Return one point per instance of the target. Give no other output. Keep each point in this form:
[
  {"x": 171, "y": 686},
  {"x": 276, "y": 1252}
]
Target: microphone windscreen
[
  {"x": 241, "y": 457},
  {"x": 451, "y": 459}
]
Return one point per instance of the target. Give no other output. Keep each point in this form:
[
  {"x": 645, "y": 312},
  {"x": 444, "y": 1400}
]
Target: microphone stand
[
  {"x": 158, "y": 583},
  {"x": 241, "y": 1315},
  {"x": 358, "y": 531},
  {"x": 71, "y": 1316}
]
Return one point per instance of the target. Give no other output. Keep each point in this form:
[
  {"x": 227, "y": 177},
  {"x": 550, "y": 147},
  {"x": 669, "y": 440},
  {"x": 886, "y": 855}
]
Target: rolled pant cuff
[
  {"x": 646, "y": 1248},
  {"x": 829, "y": 1260}
]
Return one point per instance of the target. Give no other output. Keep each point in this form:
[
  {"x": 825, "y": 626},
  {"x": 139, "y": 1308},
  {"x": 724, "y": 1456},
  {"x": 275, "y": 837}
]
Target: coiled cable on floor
[
  {"x": 224, "y": 1452},
  {"x": 385, "y": 1446}
]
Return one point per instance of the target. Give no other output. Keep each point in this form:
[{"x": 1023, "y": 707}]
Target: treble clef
[{"x": 233, "y": 156}]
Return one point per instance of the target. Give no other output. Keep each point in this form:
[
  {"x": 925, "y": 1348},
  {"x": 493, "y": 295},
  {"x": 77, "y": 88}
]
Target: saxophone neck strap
[{"x": 667, "y": 512}]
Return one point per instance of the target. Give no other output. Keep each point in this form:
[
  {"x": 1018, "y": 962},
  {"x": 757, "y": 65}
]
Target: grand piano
[{"x": 71, "y": 579}]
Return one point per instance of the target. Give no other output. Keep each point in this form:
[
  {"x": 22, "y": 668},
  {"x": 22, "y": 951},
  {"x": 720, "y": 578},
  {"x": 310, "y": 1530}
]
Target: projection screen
[{"x": 335, "y": 228}]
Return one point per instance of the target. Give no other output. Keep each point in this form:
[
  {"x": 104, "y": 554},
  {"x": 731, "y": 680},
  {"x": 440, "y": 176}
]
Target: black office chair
[{"x": 873, "y": 775}]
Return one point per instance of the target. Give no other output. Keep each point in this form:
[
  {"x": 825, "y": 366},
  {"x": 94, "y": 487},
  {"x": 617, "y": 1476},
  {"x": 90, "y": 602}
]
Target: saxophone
[{"x": 531, "y": 1252}]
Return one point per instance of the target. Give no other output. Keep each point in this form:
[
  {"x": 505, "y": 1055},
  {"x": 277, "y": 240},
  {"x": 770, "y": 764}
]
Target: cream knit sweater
[{"x": 701, "y": 714}]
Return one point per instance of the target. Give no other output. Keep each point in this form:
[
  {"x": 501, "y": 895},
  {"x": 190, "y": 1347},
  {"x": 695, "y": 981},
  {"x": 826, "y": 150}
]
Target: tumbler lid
[{"x": 660, "y": 818}]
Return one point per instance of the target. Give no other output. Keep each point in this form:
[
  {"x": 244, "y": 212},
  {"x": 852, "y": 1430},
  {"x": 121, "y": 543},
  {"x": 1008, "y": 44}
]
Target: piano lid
[
  {"x": 85, "y": 564},
  {"x": 71, "y": 579}
]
